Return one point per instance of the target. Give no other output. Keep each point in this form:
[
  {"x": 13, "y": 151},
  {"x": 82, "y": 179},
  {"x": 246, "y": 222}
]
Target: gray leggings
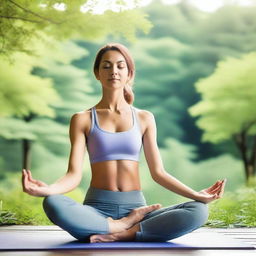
[{"x": 84, "y": 220}]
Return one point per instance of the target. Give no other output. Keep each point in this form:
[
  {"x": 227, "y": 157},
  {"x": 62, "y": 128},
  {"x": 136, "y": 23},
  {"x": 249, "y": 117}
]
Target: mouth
[{"x": 113, "y": 79}]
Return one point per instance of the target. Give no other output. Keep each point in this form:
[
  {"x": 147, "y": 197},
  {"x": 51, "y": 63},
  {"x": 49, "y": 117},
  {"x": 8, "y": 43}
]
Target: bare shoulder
[
  {"x": 146, "y": 118},
  {"x": 81, "y": 120},
  {"x": 145, "y": 115}
]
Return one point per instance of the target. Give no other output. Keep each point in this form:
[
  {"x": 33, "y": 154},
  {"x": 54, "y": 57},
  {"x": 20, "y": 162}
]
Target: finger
[
  {"x": 222, "y": 188},
  {"x": 214, "y": 191},
  {"x": 217, "y": 183},
  {"x": 219, "y": 188},
  {"x": 30, "y": 176},
  {"x": 25, "y": 180},
  {"x": 214, "y": 186},
  {"x": 24, "y": 172}
]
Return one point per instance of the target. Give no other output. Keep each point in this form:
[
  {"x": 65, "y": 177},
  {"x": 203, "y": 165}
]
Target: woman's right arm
[{"x": 73, "y": 175}]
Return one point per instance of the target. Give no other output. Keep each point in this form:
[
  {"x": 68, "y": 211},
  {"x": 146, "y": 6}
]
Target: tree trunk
[
  {"x": 252, "y": 164},
  {"x": 26, "y": 146},
  {"x": 241, "y": 144},
  {"x": 249, "y": 160},
  {"x": 253, "y": 157},
  {"x": 26, "y": 149}
]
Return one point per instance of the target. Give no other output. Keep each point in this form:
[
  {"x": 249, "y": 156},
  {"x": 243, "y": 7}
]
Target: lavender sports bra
[{"x": 103, "y": 145}]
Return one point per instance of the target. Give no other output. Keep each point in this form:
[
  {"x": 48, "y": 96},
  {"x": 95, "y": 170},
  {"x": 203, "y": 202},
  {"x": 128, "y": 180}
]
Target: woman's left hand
[{"x": 212, "y": 193}]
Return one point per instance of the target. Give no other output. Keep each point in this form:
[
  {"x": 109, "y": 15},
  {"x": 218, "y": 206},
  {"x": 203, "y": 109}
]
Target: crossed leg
[
  {"x": 81, "y": 221},
  {"x": 162, "y": 225}
]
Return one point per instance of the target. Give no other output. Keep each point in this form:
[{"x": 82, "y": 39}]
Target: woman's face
[{"x": 113, "y": 70}]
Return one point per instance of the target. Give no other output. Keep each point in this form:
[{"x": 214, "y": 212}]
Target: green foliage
[
  {"x": 228, "y": 99},
  {"x": 175, "y": 21},
  {"x": 231, "y": 29},
  {"x": 22, "y": 21},
  {"x": 21, "y": 92},
  {"x": 235, "y": 209},
  {"x": 157, "y": 80},
  {"x": 208, "y": 38},
  {"x": 71, "y": 87}
]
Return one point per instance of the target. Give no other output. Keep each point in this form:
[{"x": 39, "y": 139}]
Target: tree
[
  {"x": 227, "y": 108},
  {"x": 21, "y": 92},
  {"x": 22, "y": 20},
  {"x": 27, "y": 99},
  {"x": 209, "y": 38}
]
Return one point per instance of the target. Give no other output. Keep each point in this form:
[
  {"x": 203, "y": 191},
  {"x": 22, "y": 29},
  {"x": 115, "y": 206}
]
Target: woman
[{"x": 114, "y": 132}]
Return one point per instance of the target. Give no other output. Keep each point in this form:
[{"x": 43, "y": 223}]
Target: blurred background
[{"x": 195, "y": 71}]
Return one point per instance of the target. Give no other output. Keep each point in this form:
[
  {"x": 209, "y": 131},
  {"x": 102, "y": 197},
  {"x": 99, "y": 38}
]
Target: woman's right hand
[{"x": 34, "y": 187}]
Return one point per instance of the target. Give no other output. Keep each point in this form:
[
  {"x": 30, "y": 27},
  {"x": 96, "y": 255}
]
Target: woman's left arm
[{"x": 163, "y": 178}]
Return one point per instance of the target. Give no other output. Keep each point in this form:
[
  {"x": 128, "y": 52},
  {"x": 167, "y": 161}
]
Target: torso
[{"x": 115, "y": 175}]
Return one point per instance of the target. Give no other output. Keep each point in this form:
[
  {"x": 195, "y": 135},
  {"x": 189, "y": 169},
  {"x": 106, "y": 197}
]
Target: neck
[{"x": 113, "y": 100}]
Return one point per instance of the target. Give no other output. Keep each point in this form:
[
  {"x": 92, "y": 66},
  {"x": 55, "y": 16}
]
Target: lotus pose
[{"x": 113, "y": 132}]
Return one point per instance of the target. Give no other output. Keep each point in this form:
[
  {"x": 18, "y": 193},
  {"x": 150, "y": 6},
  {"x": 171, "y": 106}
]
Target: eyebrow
[{"x": 111, "y": 62}]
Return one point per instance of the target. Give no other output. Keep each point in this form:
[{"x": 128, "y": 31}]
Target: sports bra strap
[
  {"x": 135, "y": 118},
  {"x": 93, "y": 118}
]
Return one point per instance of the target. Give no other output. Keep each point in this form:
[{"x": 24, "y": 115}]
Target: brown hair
[{"x": 128, "y": 93}]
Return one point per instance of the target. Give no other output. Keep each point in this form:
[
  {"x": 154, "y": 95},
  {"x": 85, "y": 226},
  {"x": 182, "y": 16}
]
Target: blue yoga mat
[{"x": 15, "y": 240}]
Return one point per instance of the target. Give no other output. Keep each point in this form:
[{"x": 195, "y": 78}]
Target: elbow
[
  {"x": 158, "y": 175},
  {"x": 78, "y": 179},
  {"x": 75, "y": 177}
]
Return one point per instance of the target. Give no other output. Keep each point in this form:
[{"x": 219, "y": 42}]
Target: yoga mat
[{"x": 15, "y": 240}]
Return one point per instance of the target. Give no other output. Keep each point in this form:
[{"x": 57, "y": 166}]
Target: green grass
[
  {"x": 236, "y": 209},
  {"x": 6, "y": 217},
  {"x": 25, "y": 210}
]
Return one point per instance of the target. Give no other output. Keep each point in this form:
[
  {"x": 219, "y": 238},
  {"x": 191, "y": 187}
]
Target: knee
[
  {"x": 50, "y": 203},
  {"x": 200, "y": 212}
]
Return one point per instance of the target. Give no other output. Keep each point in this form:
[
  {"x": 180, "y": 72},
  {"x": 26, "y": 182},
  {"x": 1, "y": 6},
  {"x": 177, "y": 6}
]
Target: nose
[{"x": 114, "y": 70}]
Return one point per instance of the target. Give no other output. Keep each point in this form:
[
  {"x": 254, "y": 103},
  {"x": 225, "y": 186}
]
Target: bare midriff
[{"x": 116, "y": 175}]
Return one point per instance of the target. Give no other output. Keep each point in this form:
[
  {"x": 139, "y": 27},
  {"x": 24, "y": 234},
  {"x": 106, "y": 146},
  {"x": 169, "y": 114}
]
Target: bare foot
[
  {"x": 126, "y": 235},
  {"x": 134, "y": 217},
  {"x": 102, "y": 238}
]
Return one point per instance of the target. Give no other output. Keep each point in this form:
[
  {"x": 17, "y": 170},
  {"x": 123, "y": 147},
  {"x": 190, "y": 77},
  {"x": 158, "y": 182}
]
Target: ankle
[{"x": 117, "y": 225}]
